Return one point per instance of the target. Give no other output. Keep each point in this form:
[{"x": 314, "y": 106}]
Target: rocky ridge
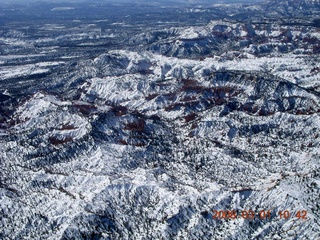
[{"x": 146, "y": 142}]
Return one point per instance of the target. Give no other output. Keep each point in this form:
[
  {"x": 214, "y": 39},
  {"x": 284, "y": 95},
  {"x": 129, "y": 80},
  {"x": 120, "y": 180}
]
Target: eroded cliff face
[{"x": 147, "y": 141}]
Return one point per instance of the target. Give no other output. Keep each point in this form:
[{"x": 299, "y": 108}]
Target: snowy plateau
[{"x": 139, "y": 121}]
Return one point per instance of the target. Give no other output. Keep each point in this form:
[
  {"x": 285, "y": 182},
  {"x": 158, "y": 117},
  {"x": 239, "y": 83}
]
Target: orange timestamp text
[{"x": 262, "y": 215}]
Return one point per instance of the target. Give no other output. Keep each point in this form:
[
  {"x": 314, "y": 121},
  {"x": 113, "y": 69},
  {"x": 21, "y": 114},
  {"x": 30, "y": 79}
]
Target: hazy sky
[
  {"x": 134, "y": 1},
  {"x": 74, "y": 1}
]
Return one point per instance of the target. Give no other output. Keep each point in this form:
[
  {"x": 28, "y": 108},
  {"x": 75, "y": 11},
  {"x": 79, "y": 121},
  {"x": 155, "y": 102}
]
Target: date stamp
[{"x": 260, "y": 215}]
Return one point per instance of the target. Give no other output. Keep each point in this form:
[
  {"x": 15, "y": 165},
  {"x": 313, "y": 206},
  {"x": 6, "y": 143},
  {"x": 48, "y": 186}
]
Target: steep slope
[
  {"x": 151, "y": 142},
  {"x": 260, "y": 38},
  {"x": 163, "y": 125}
]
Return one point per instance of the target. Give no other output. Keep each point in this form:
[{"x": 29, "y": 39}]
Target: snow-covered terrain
[{"x": 145, "y": 140}]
